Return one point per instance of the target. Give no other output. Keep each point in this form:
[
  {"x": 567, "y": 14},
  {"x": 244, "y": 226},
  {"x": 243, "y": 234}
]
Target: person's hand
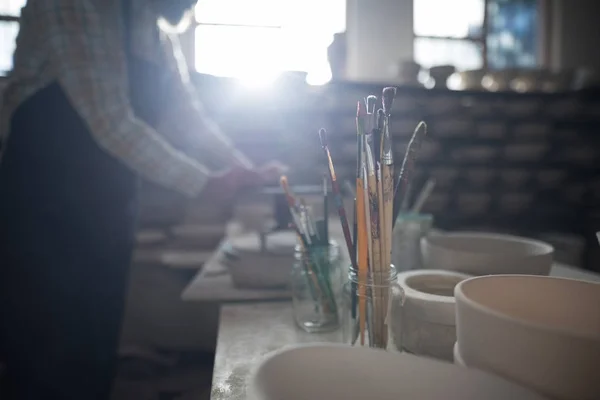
[
  {"x": 224, "y": 186},
  {"x": 272, "y": 171}
]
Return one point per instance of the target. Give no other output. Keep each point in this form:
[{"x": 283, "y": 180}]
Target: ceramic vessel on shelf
[
  {"x": 486, "y": 253},
  {"x": 560, "y": 81},
  {"x": 338, "y": 372},
  {"x": 408, "y": 73},
  {"x": 497, "y": 81},
  {"x": 466, "y": 80},
  {"x": 440, "y": 75},
  {"x": 541, "y": 332},
  {"x": 525, "y": 81}
]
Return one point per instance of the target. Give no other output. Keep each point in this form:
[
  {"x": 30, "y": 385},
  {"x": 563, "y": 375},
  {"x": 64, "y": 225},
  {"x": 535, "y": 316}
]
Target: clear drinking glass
[
  {"x": 369, "y": 301},
  {"x": 316, "y": 288}
]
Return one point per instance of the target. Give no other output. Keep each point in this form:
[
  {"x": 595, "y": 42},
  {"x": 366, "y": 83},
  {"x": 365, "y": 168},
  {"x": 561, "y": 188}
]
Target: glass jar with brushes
[
  {"x": 316, "y": 284},
  {"x": 370, "y": 300},
  {"x": 406, "y": 240}
]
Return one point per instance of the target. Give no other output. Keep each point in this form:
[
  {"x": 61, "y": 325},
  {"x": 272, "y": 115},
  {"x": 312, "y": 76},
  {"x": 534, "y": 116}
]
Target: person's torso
[{"x": 35, "y": 67}]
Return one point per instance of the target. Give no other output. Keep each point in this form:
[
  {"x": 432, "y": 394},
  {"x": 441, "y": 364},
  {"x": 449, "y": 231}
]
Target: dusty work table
[{"x": 249, "y": 331}]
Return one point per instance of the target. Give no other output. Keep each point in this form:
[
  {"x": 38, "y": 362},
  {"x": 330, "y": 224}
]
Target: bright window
[
  {"x": 472, "y": 34},
  {"x": 258, "y": 39},
  {"x": 9, "y": 28}
]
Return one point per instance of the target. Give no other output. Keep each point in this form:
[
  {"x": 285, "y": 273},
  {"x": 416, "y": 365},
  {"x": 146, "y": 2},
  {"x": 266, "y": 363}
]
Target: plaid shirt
[{"x": 79, "y": 43}]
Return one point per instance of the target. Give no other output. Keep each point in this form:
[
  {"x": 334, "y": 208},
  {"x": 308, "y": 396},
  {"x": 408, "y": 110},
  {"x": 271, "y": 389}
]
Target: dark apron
[{"x": 67, "y": 224}]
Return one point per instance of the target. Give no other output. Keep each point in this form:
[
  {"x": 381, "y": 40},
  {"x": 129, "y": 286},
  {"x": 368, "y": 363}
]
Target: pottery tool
[
  {"x": 371, "y": 102},
  {"x": 423, "y": 196},
  {"x": 360, "y": 132},
  {"x": 337, "y": 197},
  {"x": 325, "y": 238},
  {"x": 407, "y": 169},
  {"x": 354, "y": 285},
  {"x": 367, "y": 227},
  {"x": 387, "y": 177},
  {"x": 361, "y": 249},
  {"x": 293, "y": 206},
  {"x": 375, "y": 245}
]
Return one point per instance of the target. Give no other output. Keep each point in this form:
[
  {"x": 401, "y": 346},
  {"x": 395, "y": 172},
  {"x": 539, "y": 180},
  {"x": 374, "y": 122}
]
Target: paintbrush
[
  {"x": 371, "y": 102},
  {"x": 360, "y": 132},
  {"x": 387, "y": 177},
  {"x": 407, "y": 169},
  {"x": 337, "y": 197},
  {"x": 367, "y": 227},
  {"x": 325, "y": 238},
  {"x": 362, "y": 244},
  {"x": 423, "y": 196},
  {"x": 375, "y": 245},
  {"x": 283, "y": 181}
]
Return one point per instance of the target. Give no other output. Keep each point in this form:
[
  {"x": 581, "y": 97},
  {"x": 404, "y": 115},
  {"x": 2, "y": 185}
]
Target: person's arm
[
  {"x": 186, "y": 115},
  {"x": 86, "y": 48}
]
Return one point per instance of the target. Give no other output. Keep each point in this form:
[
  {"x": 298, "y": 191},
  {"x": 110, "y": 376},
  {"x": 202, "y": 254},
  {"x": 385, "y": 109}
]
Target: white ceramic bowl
[
  {"x": 486, "y": 253},
  {"x": 425, "y": 324},
  {"x": 542, "y": 332},
  {"x": 338, "y": 372},
  {"x": 457, "y": 357}
]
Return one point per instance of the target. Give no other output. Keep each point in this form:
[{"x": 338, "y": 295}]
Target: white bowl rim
[
  {"x": 459, "y": 294},
  {"x": 257, "y": 367},
  {"x": 547, "y": 248}
]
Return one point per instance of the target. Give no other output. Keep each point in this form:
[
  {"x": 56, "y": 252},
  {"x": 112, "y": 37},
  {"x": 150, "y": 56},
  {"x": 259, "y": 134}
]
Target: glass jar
[
  {"x": 316, "y": 287},
  {"x": 406, "y": 240},
  {"x": 370, "y": 302}
]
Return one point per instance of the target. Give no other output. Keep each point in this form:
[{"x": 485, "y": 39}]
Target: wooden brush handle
[
  {"x": 363, "y": 256},
  {"x": 376, "y": 253}
]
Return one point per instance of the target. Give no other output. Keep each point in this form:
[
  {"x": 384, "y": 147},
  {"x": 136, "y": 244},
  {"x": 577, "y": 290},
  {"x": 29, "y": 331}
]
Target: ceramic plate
[{"x": 338, "y": 372}]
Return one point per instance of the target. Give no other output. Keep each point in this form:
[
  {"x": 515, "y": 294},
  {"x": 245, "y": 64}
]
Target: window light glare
[{"x": 319, "y": 76}]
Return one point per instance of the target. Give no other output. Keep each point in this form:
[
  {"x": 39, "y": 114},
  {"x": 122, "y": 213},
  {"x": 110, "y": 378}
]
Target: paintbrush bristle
[
  {"x": 371, "y": 102},
  {"x": 323, "y": 137},
  {"x": 387, "y": 99}
]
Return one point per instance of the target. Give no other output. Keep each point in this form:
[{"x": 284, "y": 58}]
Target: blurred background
[{"x": 509, "y": 89}]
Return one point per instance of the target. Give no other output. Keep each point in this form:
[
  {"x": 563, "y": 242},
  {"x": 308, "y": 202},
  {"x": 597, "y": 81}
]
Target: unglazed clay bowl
[
  {"x": 477, "y": 253},
  {"x": 541, "y": 332},
  {"x": 339, "y": 372},
  {"x": 457, "y": 357}
]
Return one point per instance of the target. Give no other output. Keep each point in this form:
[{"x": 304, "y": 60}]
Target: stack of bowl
[
  {"x": 541, "y": 332},
  {"x": 514, "y": 321}
]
